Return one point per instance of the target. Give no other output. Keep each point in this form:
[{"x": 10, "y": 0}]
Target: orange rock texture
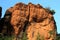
[{"x": 37, "y": 20}]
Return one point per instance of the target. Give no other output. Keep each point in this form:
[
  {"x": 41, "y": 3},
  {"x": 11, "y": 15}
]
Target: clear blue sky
[{"x": 53, "y": 4}]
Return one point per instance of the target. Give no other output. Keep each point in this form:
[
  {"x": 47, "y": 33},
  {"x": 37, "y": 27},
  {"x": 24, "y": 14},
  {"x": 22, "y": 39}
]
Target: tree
[
  {"x": 52, "y": 11},
  {"x": 58, "y": 37},
  {"x": 49, "y": 10}
]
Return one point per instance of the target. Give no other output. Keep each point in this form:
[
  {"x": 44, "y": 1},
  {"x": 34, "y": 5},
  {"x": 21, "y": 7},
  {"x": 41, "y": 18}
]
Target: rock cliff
[{"x": 36, "y": 21}]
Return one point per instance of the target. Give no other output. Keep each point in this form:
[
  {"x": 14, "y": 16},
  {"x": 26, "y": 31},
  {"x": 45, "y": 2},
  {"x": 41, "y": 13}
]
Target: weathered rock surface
[{"x": 32, "y": 19}]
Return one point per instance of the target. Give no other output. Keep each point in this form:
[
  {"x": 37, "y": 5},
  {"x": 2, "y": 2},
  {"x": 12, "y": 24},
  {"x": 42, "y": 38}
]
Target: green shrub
[
  {"x": 52, "y": 11},
  {"x": 24, "y": 36},
  {"x": 38, "y": 37},
  {"x": 49, "y": 10},
  {"x": 58, "y": 38},
  {"x": 12, "y": 37},
  {"x": 6, "y": 37}
]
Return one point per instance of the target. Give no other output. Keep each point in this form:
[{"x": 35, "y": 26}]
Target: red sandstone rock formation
[{"x": 39, "y": 21}]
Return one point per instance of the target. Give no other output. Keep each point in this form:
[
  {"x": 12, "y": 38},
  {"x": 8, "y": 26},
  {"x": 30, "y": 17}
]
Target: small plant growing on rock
[
  {"x": 24, "y": 36},
  {"x": 51, "y": 32},
  {"x": 49, "y": 10},
  {"x": 38, "y": 37}
]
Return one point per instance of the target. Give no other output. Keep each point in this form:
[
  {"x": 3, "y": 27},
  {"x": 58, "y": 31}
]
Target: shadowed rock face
[
  {"x": 5, "y": 25},
  {"x": 32, "y": 19},
  {"x": 0, "y": 12}
]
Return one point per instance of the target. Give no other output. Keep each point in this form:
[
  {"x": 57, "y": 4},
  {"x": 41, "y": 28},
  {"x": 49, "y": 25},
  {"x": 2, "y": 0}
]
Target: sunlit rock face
[
  {"x": 41, "y": 23},
  {"x": 35, "y": 20}
]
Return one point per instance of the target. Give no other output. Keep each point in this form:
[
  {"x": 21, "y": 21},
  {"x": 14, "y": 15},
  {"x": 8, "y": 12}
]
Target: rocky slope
[{"x": 35, "y": 20}]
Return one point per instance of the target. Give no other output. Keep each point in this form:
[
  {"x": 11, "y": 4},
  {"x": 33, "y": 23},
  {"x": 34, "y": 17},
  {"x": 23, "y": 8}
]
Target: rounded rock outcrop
[{"x": 32, "y": 19}]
